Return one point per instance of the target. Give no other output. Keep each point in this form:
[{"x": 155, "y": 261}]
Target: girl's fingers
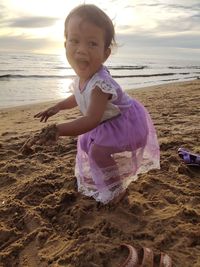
[
  {"x": 44, "y": 117},
  {"x": 37, "y": 115},
  {"x": 45, "y": 114},
  {"x": 40, "y": 114}
]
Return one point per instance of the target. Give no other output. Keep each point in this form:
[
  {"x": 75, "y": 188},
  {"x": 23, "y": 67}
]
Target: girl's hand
[{"x": 44, "y": 115}]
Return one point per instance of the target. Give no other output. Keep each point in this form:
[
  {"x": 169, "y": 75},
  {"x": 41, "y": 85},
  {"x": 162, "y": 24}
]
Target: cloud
[
  {"x": 165, "y": 18},
  {"x": 182, "y": 4},
  {"x": 191, "y": 7},
  {"x": 189, "y": 41},
  {"x": 179, "y": 24},
  {"x": 31, "y": 22},
  {"x": 25, "y": 43},
  {"x": 3, "y": 14},
  {"x": 2, "y": 9},
  {"x": 16, "y": 21},
  {"x": 125, "y": 28}
]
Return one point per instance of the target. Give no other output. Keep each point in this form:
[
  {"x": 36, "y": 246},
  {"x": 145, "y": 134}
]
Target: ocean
[{"x": 34, "y": 78}]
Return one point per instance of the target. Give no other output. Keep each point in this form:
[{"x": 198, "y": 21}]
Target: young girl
[{"x": 117, "y": 139}]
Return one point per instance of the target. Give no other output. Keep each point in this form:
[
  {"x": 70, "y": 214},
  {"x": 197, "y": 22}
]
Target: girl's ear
[{"x": 107, "y": 53}]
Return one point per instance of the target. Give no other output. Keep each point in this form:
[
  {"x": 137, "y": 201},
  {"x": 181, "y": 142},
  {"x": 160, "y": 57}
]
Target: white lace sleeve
[{"x": 107, "y": 87}]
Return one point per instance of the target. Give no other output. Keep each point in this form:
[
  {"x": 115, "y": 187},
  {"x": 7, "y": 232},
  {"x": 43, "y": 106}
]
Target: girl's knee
[
  {"x": 96, "y": 152},
  {"x": 102, "y": 156}
]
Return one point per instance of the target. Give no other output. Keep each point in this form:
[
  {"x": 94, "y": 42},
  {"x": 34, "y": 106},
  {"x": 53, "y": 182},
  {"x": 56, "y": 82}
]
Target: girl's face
[{"x": 85, "y": 47}]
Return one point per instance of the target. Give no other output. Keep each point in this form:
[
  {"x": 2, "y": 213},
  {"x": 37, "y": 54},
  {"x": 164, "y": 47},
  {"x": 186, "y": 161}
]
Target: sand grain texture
[{"x": 45, "y": 222}]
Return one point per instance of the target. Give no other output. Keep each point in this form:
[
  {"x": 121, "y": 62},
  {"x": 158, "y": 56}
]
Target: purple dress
[{"x": 123, "y": 145}]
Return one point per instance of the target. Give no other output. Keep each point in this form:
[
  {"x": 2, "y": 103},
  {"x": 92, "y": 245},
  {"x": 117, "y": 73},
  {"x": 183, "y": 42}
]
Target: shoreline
[
  {"x": 158, "y": 86},
  {"x": 27, "y": 112},
  {"x": 45, "y": 222},
  {"x": 127, "y": 90}
]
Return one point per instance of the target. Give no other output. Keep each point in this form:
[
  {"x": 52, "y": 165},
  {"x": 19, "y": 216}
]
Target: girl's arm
[
  {"x": 68, "y": 103},
  {"x": 92, "y": 118}
]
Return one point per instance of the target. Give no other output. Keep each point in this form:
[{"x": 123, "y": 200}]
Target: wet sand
[{"x": 44, "y": 221}]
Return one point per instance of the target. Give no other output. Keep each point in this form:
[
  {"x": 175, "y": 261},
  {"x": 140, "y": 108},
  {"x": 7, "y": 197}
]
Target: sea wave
[
  {"x": 127, "y": 67},
  {"x": 153, "y": 75},
  {"x": 184, "y": 67},
  {"x": 18, "y": 76},
  {"x": 111, "y": 67}
]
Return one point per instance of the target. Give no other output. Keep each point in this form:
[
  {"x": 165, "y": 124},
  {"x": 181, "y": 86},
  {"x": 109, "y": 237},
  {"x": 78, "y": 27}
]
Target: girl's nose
[{"x": 81, "y": 49}]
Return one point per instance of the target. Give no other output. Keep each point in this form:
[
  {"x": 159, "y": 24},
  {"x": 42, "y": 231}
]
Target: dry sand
[{"x": 45, "y": 222}]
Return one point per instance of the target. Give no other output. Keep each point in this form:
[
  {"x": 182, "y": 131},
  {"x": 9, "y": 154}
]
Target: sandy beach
[{"x": 44, "y": 221}]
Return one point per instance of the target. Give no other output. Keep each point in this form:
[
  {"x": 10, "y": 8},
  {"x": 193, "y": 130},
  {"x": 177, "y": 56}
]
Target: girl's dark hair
[{"x": 95, "y": 15}]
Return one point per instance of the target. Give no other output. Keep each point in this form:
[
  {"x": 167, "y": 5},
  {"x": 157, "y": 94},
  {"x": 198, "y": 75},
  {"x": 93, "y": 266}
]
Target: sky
[{"x": 157, "y": 28}]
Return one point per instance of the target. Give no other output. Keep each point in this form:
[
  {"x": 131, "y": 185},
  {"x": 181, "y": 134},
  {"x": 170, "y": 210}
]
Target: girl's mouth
[{"x": 82, "y": 64}]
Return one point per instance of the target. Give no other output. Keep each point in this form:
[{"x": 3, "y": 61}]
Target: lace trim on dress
[
  {"x": 128, "y": 171},
  {"x": 107, "y": 87}
]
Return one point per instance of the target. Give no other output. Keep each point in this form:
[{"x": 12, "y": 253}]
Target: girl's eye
[
  {"x": 73, "y": 41},
  {"x": 92, "y": 44}
]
